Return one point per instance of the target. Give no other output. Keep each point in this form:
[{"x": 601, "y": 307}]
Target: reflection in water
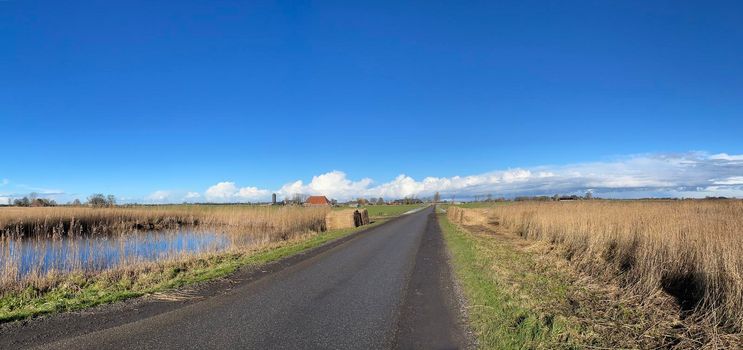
[{"x": 41, "y": 255}]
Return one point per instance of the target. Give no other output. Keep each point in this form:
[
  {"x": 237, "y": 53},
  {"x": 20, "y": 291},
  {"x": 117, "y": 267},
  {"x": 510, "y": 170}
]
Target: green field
[{"x": 385, "y": 211}]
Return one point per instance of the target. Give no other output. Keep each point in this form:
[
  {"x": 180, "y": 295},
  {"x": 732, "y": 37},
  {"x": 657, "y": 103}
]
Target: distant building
[
  {"x": 273, "y": 199},
  {"x": 317, "y": 201}
]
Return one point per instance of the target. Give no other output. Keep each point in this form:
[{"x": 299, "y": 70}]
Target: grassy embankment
[
  {"x": 80, "y": 289},
  {"x": 545, "y": 275}
]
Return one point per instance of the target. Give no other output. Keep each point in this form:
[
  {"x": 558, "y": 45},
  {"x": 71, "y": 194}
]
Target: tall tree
[{"x": 97, "y": 200}]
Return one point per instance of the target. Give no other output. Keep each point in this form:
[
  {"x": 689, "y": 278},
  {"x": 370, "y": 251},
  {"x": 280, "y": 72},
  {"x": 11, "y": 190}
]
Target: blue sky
[{"x": 153, "y": 101}]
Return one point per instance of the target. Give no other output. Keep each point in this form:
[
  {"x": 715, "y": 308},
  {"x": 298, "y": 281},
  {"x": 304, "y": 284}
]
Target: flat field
[
  {"x": 677, "y": 266},
  {"x": 64, "y": 221},
  {"x": 381, "y": 211}
]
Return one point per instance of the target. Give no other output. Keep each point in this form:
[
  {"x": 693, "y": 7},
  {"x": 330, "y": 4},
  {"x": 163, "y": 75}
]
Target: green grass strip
[
  {"x": 503, "y": 288},
  {"x": 386, "y": 211}
]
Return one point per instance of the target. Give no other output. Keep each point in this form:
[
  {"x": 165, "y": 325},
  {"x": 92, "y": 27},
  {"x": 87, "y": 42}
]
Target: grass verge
[
  {"x": 79, "y": 291},
  {"x": 500, "y": 314}
]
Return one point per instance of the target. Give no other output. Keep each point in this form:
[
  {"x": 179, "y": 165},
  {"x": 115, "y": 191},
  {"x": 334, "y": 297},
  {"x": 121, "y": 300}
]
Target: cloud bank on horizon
[{"x": 695, "y": 174}]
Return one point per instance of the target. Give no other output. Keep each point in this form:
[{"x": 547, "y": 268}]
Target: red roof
[{"x": 320, "y": 200}]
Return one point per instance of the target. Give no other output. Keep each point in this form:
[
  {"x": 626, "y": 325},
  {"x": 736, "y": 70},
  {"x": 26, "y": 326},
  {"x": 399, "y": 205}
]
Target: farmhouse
[{"x": 317, "y": 201}]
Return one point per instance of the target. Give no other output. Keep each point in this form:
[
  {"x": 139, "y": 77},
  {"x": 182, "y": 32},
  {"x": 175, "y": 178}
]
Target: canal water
[{"x": 41, "y": 255}]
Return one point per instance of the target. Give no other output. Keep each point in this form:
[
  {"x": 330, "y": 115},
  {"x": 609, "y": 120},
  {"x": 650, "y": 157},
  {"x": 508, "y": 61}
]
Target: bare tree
[
  {"x": 111, "y": 200},
  {"x": 97, "y": 200},
  {"x": 22, "y": 202},
  {"x": 436, "y": 197},
  {"x": 299, "y": 198}
]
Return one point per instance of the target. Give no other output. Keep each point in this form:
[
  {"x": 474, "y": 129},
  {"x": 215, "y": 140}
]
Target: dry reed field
[
  {"x": 74, "y": 239},
  {"x": 690, "y": 250},
  {"x": 70, "y": 221}
]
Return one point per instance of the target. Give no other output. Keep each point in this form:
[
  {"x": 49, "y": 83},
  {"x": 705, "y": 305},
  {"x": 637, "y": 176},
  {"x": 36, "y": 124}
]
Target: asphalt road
[{"x": 387, "y": 287}]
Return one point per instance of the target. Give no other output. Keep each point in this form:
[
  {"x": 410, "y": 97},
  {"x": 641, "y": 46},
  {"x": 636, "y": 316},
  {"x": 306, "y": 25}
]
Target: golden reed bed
[
  {"x": 63, "y": 221},
  {"x": 692, "y": 250},
  {"x": 244, "y": 227}
]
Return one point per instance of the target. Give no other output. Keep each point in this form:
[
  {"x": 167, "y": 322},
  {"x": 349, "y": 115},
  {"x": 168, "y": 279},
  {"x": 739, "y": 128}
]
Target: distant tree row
[
  {"x": 97, "y": 200},
  {"x": 33, "y": 200},
  {"x": 374, "y": 201},
  {"x": 408, "y": 200},
  {"x": 489, "y": 198},
  {"x": 557, "y": 197}
]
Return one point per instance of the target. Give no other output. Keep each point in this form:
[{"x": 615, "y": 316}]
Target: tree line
[{"x": 97, "y": 200}]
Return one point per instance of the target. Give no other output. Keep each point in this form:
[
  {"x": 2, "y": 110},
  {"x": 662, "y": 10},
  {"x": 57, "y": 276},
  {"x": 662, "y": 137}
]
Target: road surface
[{"x": 386, "y": 287}]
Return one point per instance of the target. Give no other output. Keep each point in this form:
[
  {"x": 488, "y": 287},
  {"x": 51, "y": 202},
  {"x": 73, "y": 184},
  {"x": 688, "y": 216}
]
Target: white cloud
[
  {"x": 401, "y": 186},
  {"x": 725, "y": 156},
  {"x": 229, "y": 192},
  {"x": 633, "y": 176},
  {"x": 159, "y": 196},
  {"x": 290, "y": 189},
  {"x": 334, "y": 184},
  {"x": 192, "y": 195},
  {"x": 221, "y": 191},
  {"x": 694, "y": 174},
  {"x": 167, "y": 196},
  {"x": 252, "y": 193},
  {"x": 733, "y": 180}
]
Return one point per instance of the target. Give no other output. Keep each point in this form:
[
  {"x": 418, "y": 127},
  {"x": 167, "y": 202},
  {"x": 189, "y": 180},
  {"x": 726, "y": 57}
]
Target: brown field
[
  {"x": 63, "y": 221},
  {"x": 690, "y": 250}
]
